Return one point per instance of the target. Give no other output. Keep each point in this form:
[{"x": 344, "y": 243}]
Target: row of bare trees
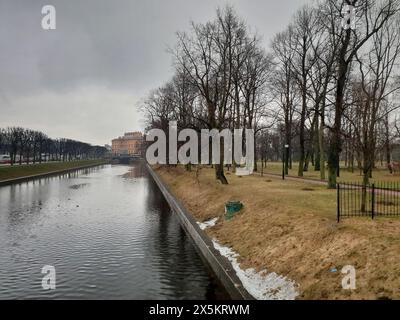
[
  {"x": 328, "y": 85},
  {"x": 30, "y": 146},
  {"x": 338, "y": 83},
  {"x": 220, "y": 80}
]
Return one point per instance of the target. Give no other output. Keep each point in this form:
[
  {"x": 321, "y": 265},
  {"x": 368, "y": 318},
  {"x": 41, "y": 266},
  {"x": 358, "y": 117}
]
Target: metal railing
[{"x": 376, "y": 199}]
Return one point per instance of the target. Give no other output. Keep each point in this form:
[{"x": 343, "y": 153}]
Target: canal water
[{"x": 109, "y": 234}]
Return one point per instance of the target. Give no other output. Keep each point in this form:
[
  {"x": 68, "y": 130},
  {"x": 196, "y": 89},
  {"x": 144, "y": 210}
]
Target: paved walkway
[
  {"x": 324, "y": 183},
  {"x": 308, "y": 180}
]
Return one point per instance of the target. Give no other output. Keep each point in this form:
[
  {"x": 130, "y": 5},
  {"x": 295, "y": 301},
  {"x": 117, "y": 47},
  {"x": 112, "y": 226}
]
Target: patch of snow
[
  {"x": 207, "y": 224},
  {"x": 261, "y": 285}
]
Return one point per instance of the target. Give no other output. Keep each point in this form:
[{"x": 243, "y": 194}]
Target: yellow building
[{"x": 129, "y": 144}]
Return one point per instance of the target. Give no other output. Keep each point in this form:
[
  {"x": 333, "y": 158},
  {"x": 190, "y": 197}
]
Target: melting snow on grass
[
  {"x": 207, "y": 224},
  {"x": 261, "y": 285}
]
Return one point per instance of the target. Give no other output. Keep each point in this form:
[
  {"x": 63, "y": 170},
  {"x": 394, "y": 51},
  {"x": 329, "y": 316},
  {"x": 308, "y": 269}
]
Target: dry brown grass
[{"x": 290, "y": 228}]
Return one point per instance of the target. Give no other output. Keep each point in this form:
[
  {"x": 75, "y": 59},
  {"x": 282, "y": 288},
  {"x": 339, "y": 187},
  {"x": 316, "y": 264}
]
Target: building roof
[{"x": 137, "y": 135}]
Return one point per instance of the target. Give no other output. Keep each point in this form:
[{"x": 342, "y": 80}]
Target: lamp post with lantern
[{"x": 285, "y": 151}]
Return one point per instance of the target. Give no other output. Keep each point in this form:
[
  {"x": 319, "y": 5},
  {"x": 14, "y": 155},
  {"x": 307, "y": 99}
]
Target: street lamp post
[{"x": 284, "y": 161}]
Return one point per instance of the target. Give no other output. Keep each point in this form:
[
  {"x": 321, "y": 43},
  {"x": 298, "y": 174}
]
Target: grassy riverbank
[
  {"x": 289, "y": 227},
  {"x": 17, "y": 171}
]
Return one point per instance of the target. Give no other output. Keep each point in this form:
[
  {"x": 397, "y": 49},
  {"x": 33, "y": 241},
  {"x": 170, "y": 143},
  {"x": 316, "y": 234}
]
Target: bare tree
[
  {"x": 304, "y": 28},
  {"x": 374, "y": 89},
  {"x": 208, "y": 55},
  {"x": 372, "y": 17},
  {"x": 283, "y": 85}
]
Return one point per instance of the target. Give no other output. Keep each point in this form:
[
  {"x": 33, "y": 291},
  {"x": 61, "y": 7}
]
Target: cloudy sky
[{"x": 84, "y": 79}]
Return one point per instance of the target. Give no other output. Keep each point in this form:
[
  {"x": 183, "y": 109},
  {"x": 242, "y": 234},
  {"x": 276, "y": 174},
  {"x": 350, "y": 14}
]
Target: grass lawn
[
  {"x": 290, "y": 228},
  {"x": 378, "y": 175},
  {"x": 17, "y": 171}
]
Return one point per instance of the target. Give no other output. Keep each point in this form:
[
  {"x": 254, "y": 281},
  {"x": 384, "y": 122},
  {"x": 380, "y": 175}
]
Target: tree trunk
[
  {"x": 317, "y": 156},
  {"x": 367, "y": 170},
  {"x": 219, "y": 168},
  {"x": 335, "y": 141},
  {"x": 387, "y": 144},
  {"x": 301, "y": 137},
  {"x": 321, "y": 146},
  {"x": 306, "y": 161},
  {"x": 255, "y": 154}
]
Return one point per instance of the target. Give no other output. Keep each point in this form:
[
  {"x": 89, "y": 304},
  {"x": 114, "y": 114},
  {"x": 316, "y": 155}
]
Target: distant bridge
[{"x": 125, "y": 158}]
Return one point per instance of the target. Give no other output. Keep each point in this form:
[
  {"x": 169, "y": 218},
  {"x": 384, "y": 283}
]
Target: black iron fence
[{"x": 377, "y": 199}]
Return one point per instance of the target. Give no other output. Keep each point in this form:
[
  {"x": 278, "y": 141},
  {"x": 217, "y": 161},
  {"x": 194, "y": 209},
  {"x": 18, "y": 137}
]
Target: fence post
[
  {"x": 373, "y": 200},
  {"x": 338, "y": 201}
]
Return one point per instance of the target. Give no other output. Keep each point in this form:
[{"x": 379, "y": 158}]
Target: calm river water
[{"x": 109, "y": 234}]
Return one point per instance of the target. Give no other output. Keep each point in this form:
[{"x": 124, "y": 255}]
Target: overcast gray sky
[{"x": 84, "y": 79}]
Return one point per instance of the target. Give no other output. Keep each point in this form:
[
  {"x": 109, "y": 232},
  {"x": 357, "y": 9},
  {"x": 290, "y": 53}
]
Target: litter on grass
[{"x": 207, "y": 224}]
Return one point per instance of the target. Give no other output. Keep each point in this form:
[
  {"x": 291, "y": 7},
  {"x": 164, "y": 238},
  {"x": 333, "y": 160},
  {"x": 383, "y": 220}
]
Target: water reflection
[{"x": 109, "y": 233}]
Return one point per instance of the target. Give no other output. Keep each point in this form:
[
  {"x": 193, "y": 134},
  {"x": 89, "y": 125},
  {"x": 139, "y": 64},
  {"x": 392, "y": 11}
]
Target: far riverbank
[{"x": 19, "y": 173}]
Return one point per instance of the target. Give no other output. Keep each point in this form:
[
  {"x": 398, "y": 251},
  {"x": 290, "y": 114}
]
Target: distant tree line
[
  {"x": 30, "y": 146},
  {"x": 327, "y": 87}
]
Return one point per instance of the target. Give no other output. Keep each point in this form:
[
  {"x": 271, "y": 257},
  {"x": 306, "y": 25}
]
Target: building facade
[{"x": 129, "y": 144}]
